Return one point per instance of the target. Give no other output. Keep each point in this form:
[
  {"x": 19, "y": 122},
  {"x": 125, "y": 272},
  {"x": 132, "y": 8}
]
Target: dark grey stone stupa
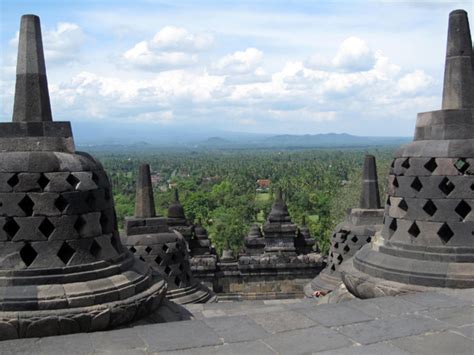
[
  {"x": 427, "y": 240},
  {"x": 357, "y": 230},
  {"x": 62, "y": 266},
  {"x": 203, "y": 257},
  {"x": 254, "y": 242},
  {"x": 165, "y": 250}
]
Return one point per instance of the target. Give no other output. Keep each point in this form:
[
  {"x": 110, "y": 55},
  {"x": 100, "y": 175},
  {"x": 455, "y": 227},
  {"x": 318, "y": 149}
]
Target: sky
[{"x": 274, "y": 67}]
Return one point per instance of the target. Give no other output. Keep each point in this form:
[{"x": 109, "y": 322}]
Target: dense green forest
[{"x": 218, "y": 188}]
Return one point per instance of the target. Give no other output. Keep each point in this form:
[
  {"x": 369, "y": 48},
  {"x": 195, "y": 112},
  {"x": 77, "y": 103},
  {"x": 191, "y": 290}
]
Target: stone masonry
[
  {"x": 62, "y": 266},
  {"x": 150, "y": 239},
  {"x": 427, "y": 238}
]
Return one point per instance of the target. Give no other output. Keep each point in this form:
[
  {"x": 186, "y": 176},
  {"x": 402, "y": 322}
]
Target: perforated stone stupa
[
  {"x": 150, "y": 239},
  {"x": 203, "y": 257},
  {"x": 62, "y": 266},
  {"x": 357, "y": 230},
  {"x": 427, "y": 238}
]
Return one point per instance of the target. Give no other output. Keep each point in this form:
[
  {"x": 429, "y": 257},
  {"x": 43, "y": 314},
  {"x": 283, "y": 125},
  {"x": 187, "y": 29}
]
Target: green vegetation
[{"x": 217, "y": 188}]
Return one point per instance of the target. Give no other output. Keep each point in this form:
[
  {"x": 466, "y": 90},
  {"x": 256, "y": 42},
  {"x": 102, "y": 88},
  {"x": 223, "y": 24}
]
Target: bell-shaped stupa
[
  {"x": 165, "y": 250},
  {"x": 427, "y": 240},
  {"x": 357, "y": 230},
  {"x": 62, "y": 266}
]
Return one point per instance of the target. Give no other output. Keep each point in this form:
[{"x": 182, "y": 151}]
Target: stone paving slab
[{"x": 431, "y": 323}]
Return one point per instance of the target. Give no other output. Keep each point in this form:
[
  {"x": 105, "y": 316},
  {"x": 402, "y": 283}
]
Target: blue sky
[{"x": 360, "y": 67}]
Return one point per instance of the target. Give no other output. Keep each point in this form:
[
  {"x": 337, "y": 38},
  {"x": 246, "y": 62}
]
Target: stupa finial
[
  {"x": 31, "y": 92},
  {"x": 369, "y": 197},
  {"x": 458, "y": 90},
  {"x": 144, "y": 202}
]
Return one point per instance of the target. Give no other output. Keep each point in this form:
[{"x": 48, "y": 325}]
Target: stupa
[
  {"x": 279, "y": 231},
  {"x": 357, "y": 230},
  {"x": 304, "y": 243},
  {"x": 427, "y": 239},
  {"x": 254, "y": 242},
  {"x": 203, "y": 257},
  {"x": 62, "y": 266},
  {"x": 150, "y": 239}
]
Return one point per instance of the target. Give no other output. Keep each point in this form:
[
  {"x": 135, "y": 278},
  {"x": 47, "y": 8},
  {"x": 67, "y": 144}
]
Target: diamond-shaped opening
[
  {"x": 167, "y": 270},
  {"x": 148, "y": 249},
  {"x": 61, "y": 203},
  {"x": 369, "y": 239},
  {"x": 463, "y": 209},
  {"x": 141, "y": 258},
  {"x": 343, "y": 237},
  {"x": 181, "y": 267},
  {"x": 395, "y": 182},
  {"x": 158, "y": 260},
  {"x": 115, "y": 244},
  {"x": 133, "y": 250},
  {"x": 389, "y": 202},
  {"x": 28, "y": 254},
  {"x": 107, "y": 194},
  {"x": 430, "y": 208},
  {"x": 445, "y": 233},
  {"x": 431, "y": 165},
  {"x": 65, "y": 253},
  {"x": 472, "y": 187},
  {"x": 336, "y": 245},
  {"x": 90, "y": 199},
  {"x": 402, "y": 204},
  {"x": 393, "y": 164},
  {"x": 95, "y": 249},
  {"x": 104, "y": 220},
  {"x": 13, "y": 180},
  {"x": 46, "y": 227},
  {"x": 43, "y": 181},
  {"x": 27, "y": 205},
  {"x": 355, "y": 239},
  {"x": 95, "y": 178},
  {"x": 446, "y": 186},
  {"x": 72, "y": 180},
  {"x": 11, "y": 227},
  {"x": 340, "y": 258},
  {"x": 177, "y": 281},
  {"x": 414, "y": 231},
  {"x": 393, "y": 225},
  {"x": 333, "y": 267},
  {"x": 173, "y": 258},
  {"x": 461, "y": 165},
  {"x": 165, "y": 248},
  {"x": 346, "y": 248},
  {"x": 416, "y": 184},
  {"x": 79, "y": 224},
  {"x": 406, "y": 163}
]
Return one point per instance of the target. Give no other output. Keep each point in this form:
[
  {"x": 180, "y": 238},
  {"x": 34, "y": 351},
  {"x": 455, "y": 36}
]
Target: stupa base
[
  {"x": 42, "y": 323},
  {"x": 324, "y": 282},
  {"x": 196, "y": 293}
]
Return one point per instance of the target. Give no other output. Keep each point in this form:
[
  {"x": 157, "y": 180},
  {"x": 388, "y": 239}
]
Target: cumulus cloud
[
  {"x": 414, "y": 82},
  {"x": 354, "y": 55},
  {"x": 171, "y": 47},
  {"x": 241, "y": 62}
]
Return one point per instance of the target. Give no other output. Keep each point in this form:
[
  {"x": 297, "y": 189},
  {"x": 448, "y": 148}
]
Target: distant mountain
[
  {"x": 330, "y": 140},
  {"x": 215, "y": 141}
]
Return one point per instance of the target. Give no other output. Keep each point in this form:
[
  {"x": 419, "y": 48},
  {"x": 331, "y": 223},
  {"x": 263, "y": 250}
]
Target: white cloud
[
  {"x": 354, "y": 55},
  {"x": 414, "y": 82},
  {"x": 241, "y": 62},
  {"x": 171, "y": 38},
  {"x": 171, "y": 47},
  {"x": 160, "y": 117}
]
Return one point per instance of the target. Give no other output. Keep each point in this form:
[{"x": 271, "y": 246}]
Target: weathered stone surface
[
  {"x": 59, "y": 253},
  {"x": 426, "y": 241},
  {"x": 166, "y": 251}
]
